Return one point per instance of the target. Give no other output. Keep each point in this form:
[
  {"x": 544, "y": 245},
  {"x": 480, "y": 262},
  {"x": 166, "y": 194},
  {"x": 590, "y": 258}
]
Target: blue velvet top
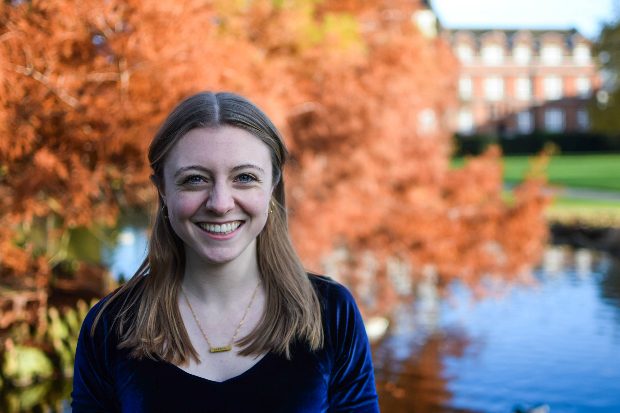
[{"x": 337, "y": 378}]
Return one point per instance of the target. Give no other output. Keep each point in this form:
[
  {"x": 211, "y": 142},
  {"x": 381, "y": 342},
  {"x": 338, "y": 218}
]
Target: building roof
[{"x": 569, "y": 35}]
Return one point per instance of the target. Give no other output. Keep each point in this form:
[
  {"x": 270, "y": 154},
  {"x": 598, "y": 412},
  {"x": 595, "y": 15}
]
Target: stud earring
[{"x": 164, "y": 211}]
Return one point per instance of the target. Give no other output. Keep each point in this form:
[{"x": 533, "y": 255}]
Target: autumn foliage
[{"x": 360, "y": 94}]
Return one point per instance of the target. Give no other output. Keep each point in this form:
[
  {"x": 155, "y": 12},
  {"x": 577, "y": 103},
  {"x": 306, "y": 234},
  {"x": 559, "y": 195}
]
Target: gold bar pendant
[{"x": 220, "y": 349}]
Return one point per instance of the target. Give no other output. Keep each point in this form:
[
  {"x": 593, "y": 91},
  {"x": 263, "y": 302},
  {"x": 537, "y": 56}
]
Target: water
[
  {"x": 130, "y": 250},
  {"x": 555, "y": 343}
]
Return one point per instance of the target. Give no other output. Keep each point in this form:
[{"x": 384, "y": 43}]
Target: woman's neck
[{"x": 220, "y": 283}]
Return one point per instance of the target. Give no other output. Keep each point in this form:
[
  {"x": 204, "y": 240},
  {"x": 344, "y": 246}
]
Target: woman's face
[{"x": 217, "y": 187}]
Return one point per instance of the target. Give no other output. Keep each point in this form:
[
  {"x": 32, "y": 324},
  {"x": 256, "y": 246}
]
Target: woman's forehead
[{"x": 220, "y": 147}]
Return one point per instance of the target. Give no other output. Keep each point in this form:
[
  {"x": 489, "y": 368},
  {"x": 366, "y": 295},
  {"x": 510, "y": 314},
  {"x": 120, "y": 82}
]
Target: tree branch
[{"x": 45, "y": 81}]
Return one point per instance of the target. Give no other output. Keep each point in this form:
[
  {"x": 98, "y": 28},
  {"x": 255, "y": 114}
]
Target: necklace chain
[{"x": 229, "y": 346}]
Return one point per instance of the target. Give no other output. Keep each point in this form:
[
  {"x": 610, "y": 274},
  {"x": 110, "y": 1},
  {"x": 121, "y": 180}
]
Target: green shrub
[{"x": 574, "y": 142}]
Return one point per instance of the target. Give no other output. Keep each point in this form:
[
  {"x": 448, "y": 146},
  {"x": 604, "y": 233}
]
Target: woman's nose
[{"x": 220, "y": 199}]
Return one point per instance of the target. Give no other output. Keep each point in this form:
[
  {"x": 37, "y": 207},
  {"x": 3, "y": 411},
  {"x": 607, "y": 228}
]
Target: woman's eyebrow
[
  {"x": 205, "y": 170},
  {"x": 189, "y": 168},
  {"x": 248, "y": 166}
]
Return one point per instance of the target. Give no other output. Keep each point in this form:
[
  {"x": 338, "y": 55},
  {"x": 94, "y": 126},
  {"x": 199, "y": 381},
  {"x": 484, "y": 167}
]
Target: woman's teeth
[{"x": 226, "y": 228}]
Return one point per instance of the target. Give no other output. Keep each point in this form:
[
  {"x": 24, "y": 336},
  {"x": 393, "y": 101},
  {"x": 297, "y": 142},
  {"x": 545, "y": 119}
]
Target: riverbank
[
  {"x": 582, "y": 235},
  {"x": 579, "y": 211},
  {"x": 586, "y": 171}
]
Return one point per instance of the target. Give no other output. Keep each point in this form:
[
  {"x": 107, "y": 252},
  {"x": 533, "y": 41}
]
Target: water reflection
[
  {"x": 557, "y": 343},
  {"x": 125, "y": 257},
  {"x": 415, "y": 382},
  {"x": 49, "y": 396},
  {"x": 610, "y": 286}
]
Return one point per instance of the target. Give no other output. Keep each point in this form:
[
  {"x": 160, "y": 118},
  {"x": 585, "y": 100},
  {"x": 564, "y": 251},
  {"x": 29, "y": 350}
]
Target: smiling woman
[
  {"x": 217, "y": 186},
  {"x": 221, "y": 316}
]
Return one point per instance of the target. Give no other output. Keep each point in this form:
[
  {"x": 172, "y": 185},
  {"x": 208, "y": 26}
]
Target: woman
[{"x": 221, "y": 316}]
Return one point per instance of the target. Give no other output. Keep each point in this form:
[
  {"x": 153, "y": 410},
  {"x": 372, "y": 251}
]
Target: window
[
  {"x": 522, "y": 55},
  {"x": 581, "y": 54},
  {"x": 582, "y": 85},
  {"x": 465, "y": 88},
  {"x": 426, "y": 22},
  {"x": 552, "y": 87},
  {"x": 554, "y": 120},
  {"x": 523, "y": 88},
  {"x": 551, "y": 55},
  {"x": 427, "y": 121},
  {"x": 465, "y": 53},
  {"x": 524, "y": 122},
  {"x": 465, "y": 122},
  {"x": 494, "y": 88},
  {"x": 492, "y": 55},
  {"x": 583, "y": 120}
]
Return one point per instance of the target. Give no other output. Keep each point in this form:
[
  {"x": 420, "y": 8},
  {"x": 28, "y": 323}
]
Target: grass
[
  {"x": 579, "y": 171},
  {"x": 591, "y": 211},
  {"x": 595, "y": 172}
]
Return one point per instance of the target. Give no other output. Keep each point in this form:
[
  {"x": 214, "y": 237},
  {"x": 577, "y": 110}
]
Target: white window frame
[
  {"x": 494, "y": 88},
  {"x": 465, "y": 88},
  {"x": 492, "y": 54},
  {"x": 554, "y": 120},
  {"x": 553, "y": 87},
  {"x": 583, "y": 86},
  {"x": 465, "y": 53},
  {"x": 551, "y": 54},
  {"x": 582, "y": 54},
  {"x": 522, "y": 54},
  {"x": 465, "y": 122},
  {"x": 523, "y": 88}
]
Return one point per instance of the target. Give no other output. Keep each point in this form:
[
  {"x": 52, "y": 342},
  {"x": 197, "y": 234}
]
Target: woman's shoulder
[
  {"x": 330, "y": 290},
  {"x": 337, "y": 303}
]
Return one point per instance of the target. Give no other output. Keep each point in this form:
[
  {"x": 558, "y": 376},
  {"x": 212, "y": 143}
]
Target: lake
[{"x": 555, "y": 342}]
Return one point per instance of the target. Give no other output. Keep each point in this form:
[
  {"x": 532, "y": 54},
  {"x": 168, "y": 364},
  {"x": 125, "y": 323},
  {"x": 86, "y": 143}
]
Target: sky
[{"x": 585, "y": 15}]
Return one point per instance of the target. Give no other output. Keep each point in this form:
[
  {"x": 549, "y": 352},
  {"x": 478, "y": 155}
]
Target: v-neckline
[{"x": 239, "y": 376}]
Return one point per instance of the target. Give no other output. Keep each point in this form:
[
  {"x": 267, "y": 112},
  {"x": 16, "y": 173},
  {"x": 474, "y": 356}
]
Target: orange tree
[{"x": 360, "y": 93}]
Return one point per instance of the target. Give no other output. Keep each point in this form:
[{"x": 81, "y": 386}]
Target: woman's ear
[{"x": 160, "y": 187}]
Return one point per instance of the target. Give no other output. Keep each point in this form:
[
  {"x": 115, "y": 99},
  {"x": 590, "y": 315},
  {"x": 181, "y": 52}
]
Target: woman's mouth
[{"x": 220, "y": 229}]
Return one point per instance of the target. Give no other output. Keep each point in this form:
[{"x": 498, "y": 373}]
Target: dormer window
[
  {"x": 551, "y": 55},
  {"x": 522, "y": 55},
  {"x": 492, "y": 54},
  {"x": 465, "y": 53},
  {"x": 581, "y": 54}
]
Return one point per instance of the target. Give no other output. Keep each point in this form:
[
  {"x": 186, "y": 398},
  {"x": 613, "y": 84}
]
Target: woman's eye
[
  {"x": 246, "y": 178},
  {"x": 193, "y": 180}
]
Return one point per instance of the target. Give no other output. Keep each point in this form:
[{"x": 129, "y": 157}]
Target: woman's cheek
[
  {"x": 186, "y": 206},
  {"x": 258, "y": 203}
]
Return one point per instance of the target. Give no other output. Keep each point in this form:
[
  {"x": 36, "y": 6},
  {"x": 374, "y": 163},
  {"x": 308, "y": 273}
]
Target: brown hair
[{"x": 149, "y": 321}]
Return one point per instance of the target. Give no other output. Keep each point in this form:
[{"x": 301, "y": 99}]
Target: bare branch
[{"x": 44, "y": 80}]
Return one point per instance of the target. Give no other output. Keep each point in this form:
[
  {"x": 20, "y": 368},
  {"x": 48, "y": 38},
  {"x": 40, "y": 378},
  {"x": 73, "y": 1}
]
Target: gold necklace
[{"x": 228, "y": 347}]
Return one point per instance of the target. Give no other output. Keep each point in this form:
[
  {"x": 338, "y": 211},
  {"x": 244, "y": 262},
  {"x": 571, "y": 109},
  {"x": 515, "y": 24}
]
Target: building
[{"x": 518, "y": 81}]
